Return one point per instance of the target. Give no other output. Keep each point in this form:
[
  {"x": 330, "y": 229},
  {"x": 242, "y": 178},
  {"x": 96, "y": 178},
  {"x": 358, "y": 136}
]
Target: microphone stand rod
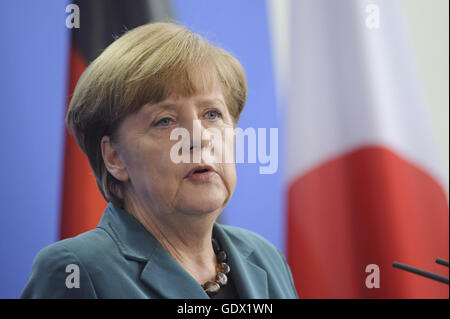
[{"x": 421, "y": 272}]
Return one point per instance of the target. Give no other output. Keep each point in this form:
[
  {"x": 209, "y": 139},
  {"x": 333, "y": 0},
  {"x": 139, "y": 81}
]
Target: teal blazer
[{"x": 121, "y": 259}]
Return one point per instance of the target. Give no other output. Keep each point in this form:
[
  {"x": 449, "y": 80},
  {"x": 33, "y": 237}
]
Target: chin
[
  {"x": 202, "y": 206},
  {"x": 201, "y": 199}
]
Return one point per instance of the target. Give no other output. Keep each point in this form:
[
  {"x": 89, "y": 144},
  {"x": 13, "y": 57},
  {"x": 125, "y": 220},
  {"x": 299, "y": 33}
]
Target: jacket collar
[
  {"x": 161, "y": 270},
  {"x": 250, "y": 279}
]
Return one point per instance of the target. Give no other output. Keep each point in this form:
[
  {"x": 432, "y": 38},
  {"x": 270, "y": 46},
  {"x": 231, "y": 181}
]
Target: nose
[{"x": 197, "y": 140}]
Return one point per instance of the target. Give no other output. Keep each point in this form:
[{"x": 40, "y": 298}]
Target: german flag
[{"x": 101, "y": 22}]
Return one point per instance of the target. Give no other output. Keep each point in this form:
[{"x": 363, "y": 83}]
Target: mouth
[{"x": 201, "y": 173}]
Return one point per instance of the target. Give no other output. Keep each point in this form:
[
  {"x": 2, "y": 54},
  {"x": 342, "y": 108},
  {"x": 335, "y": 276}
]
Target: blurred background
[{"x": 358, "y": 90}]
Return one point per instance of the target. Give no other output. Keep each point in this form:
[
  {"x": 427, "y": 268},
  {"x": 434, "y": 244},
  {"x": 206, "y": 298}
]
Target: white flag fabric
[{"x": 365, "y": 185}]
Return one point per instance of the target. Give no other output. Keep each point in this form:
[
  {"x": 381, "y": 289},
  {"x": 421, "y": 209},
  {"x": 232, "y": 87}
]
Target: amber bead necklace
[{"x": 222, "y": 269}]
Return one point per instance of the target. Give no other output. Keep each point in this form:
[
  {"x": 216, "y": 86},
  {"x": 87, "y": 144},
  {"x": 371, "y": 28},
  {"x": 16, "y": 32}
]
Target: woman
[{"x": 157, "y": 237}]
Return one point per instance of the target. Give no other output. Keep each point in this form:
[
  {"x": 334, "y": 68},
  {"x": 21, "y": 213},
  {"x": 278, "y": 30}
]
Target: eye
[
  {"x": 163, "y": 122},
  {"x": 212, "y": 114}
]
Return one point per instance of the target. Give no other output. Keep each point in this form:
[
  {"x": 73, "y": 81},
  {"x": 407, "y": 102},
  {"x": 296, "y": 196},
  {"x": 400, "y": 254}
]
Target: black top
[{"x": 228, "y": 291}]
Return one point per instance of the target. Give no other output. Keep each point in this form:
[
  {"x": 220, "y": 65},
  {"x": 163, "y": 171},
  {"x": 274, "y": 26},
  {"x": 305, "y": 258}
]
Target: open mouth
[{"x": 200, "y": 170}]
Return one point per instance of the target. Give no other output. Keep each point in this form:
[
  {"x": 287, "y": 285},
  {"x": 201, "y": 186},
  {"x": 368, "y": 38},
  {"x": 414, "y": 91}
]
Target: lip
[{"x": 201, "y": 173}]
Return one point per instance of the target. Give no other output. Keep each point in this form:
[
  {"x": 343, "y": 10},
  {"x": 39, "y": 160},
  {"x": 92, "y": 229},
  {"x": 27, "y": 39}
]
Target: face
[{"x": 143, "y": 155}]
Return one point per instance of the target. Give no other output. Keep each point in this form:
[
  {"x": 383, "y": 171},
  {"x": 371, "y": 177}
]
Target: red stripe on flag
[
  {"x": 367, "y": 207},
  {"x": 82, "y": 204}
]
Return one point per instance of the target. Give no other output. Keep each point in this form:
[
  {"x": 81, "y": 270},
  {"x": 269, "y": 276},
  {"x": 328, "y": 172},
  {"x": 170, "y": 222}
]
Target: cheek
[
  {"x": 146, "y": 162},
  {"x": 229, "y": 175},
  {"x": 229, "y": 166}
]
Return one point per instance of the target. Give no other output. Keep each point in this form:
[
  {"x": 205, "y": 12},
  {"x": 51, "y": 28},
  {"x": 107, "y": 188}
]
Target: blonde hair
[{"x": 146, "y": 64}]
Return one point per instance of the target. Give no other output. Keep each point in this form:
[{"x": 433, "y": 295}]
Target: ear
[{"x": 112, "y": 160}]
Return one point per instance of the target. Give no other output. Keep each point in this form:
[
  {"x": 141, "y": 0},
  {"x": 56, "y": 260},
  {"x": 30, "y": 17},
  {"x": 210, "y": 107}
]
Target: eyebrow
[
  {"x": 172, "y": 105},
  {"x": 149, "y": 108}
]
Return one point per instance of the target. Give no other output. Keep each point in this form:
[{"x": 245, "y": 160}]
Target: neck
[{"x": 186, "y": 237}]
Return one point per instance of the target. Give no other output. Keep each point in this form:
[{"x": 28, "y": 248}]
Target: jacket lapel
[
  {"x": 250, "y": 279},
  {"x": 168, "y": 278}
]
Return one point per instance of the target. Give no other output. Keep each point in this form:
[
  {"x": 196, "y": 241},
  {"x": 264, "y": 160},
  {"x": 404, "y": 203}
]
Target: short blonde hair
[{"x": 146, "y": 64}]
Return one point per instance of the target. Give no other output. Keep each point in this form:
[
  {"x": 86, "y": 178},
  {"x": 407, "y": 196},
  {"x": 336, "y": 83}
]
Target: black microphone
[
  {"x": 442, "y": 261},
  {"x": 424, "y": 273}
]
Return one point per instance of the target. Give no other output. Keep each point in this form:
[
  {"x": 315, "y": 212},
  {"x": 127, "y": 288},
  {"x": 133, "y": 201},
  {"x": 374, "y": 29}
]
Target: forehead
[
  {"x": 185, "y": 82},
  {"x": 195, "y": 81}
]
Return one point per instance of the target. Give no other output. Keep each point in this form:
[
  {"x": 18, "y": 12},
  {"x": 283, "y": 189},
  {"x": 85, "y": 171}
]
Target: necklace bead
[
  {"x": 215, "y": 245},
  {"x": 221, "y": 256},
  {"x": 211, "y": 288},
  {"x": 221, "y": 279},
  {"x": 222, "y": 268}
]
